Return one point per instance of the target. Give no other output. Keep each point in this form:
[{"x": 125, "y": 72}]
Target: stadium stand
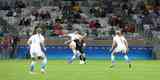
[
  {"x": 97, "y": 19},
  {"x": 138, "y": 19}
]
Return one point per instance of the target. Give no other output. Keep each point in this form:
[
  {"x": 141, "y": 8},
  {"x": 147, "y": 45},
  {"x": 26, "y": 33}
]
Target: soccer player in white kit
[
  {"x": 36, "y": 43},
  {"x": 119, "y": 45}
]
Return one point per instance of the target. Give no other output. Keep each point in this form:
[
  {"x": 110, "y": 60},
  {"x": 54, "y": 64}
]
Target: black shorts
[{"x": 79, "y": 46}]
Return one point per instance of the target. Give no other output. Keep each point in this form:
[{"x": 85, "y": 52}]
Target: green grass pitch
[{"x": 94, "y": 70}]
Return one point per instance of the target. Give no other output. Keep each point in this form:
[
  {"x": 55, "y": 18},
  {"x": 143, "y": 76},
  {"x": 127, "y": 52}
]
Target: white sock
[{"x": 80, "y": 61}]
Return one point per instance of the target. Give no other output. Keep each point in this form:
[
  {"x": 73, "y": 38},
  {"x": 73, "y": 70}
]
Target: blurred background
[{"x": 138, "y": 19}]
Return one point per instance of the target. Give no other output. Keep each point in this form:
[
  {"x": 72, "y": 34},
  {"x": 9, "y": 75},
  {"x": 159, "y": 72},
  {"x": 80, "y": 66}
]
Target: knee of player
[
  {"x": 40, "y": 58},
  {"x": 33, "y": 59}
]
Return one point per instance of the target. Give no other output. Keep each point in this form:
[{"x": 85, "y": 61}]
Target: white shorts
[
  {"x": 35, "y": 51},
  {"x": 118, "y": 49}
]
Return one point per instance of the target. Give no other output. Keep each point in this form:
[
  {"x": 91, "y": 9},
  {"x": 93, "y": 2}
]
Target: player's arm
[
  {"x": 85, "y": 34},
  {"x": 126, "y": 43},
  {"x": 68, "y": 36},
  {"x": 43, "y": 46},
  {"x": 65, "y": 35},
  {"x": 43, "y": 43},
  {"x": 82, "y": 36},
  {"x": 29, "y": 41},
  {"x": 113, "y": 44}
]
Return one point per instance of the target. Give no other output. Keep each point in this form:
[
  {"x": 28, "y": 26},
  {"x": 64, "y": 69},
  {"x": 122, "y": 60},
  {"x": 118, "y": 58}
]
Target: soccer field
[{"x": 94, "y": 70}]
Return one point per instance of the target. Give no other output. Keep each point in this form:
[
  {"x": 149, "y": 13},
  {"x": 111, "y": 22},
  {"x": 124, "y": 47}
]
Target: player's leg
[
  {"x": 72, "y": 45},
  {"x": 43, "y": 63},
  {"x": 79, "y": 53},
  {"x": 82, "y": 59},
  {"x": 79, "y": 48},
  {"x": 82, "y": 56},
  {"x": 77, "y": 43},
  {"x": 33, "y": 59},
  {"x": 74, "y": 56},
  {"x": 43, "y": 60},
  {"x": 127, "y": 59},
  {"x": 32, "y": 65},
  {"x": 113, "y": 58}
]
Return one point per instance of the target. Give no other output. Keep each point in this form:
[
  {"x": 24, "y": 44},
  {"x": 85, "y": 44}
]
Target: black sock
[
  {"x": 80, "y": 57},
  {"x": 84, "y": 59}
]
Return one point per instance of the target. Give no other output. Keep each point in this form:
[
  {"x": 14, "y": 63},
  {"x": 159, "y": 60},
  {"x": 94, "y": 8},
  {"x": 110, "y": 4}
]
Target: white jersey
[
  {"x": 36, "y": 39},
  {"x": 120, "y": 43},
  {"x": 73, "y": 36},
  {"x": 35, "y": 46}
]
